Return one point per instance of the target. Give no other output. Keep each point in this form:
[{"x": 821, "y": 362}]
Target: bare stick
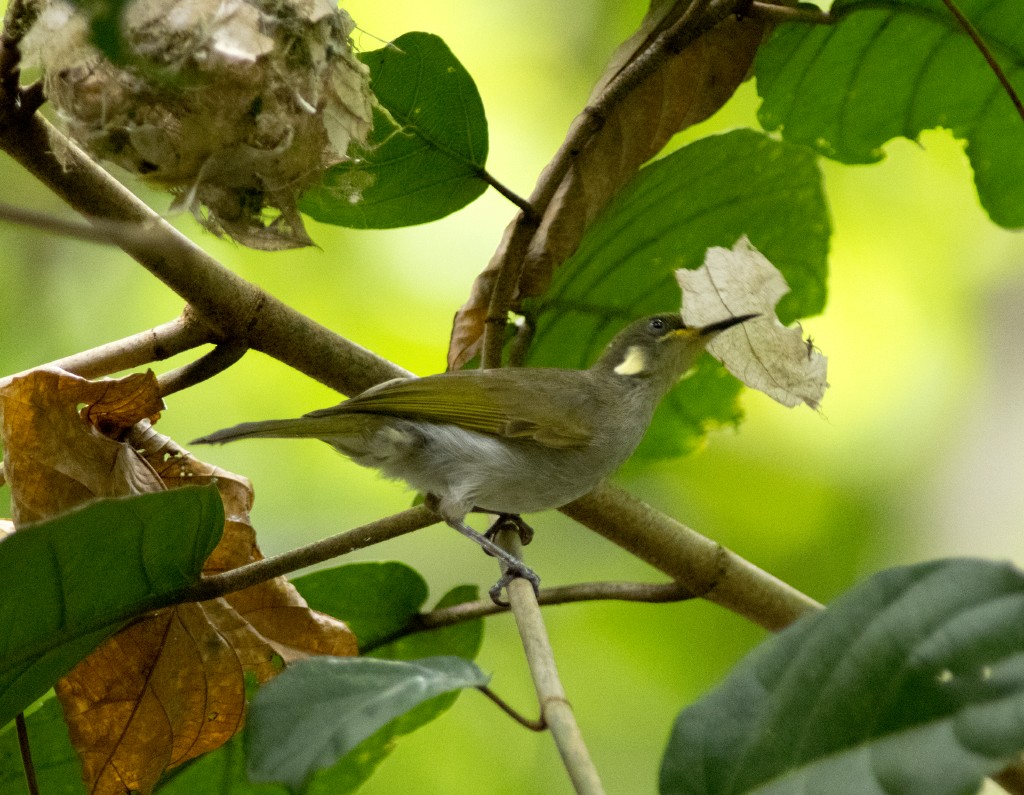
[
  {"x": 654, "y": 593},
  {"x": 705, "y": 568},
  {"x": 216, "y": 361},
  {"x": 156, "y": 344},
  {"x": 555, "y": 710},
  {"x": 262, "y": 570}
]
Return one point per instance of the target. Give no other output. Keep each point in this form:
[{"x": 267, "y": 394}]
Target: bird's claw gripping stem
[{"x": 513, "y": 566}]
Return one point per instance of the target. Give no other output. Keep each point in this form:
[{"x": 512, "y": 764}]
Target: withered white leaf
[{"x": 762, "y": 353}]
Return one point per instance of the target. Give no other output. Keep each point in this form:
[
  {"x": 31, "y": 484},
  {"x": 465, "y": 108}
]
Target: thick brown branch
[
  {"x": 705, "y": 568},
  {"x": 231, "y": 306}
]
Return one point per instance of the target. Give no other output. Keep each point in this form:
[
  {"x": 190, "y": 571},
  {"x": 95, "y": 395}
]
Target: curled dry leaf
[
  {"x": 56, "y": 458},
  {"x": 761, "y": 352},
  {"x": 686, "y": 89},
  {"x": 172, "y": 685}
]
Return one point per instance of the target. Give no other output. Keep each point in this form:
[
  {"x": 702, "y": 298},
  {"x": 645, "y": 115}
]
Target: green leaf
[
  {"x": 427, "y": 149},
  {"x": 376, "y": 599},
  {"x": 67, "y": 584},
  {"x": 57, "y": 766},
  {"x": 912, "y": 682},
  {"x": 890, "y": 68},
  {"x": 320, "y": 709},
  {"x": 706, "y": 194}
]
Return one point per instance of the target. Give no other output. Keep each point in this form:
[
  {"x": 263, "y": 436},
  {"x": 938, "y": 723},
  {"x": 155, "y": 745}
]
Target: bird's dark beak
[{"x": 722, "y": 325}]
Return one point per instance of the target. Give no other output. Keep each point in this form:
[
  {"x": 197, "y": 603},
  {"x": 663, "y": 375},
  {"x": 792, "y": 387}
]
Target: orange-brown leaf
[
  {"x": 54, "y": 460},
  {"x": 172, "y": 685}
]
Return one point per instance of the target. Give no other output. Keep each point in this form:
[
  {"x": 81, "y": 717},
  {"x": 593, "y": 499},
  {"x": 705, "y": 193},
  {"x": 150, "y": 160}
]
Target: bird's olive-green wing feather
[{"x": 509, "y": 404}]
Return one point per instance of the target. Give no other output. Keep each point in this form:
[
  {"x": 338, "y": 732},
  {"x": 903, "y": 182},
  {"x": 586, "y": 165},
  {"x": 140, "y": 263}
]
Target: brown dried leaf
[
  {"x": 171, "y": 686},
  {"x": 687, "y": 89},
  {"x": 54, "y": 459}
]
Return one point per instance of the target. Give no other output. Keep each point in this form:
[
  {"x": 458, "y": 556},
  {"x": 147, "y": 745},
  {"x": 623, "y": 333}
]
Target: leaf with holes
[{"x": 889, "y": 68}]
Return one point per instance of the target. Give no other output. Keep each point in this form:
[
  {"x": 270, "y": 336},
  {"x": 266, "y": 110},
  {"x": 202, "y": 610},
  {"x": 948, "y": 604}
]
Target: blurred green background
[{"x": 918, "y": 451}]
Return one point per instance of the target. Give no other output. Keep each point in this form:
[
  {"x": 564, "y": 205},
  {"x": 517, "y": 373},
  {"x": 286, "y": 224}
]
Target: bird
[{"x": 506, "y": 441}]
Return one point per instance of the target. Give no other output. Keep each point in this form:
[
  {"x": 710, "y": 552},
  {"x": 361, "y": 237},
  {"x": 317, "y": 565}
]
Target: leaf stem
[
  {"x": 536, "y": 725},
  {"x": 986, "y": 53},
  {"x": 528, "y": 209},
  {"x": 26, "y": 754}
]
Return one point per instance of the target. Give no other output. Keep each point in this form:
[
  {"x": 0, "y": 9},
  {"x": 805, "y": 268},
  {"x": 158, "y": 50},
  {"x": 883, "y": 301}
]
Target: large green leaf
[
  {"x": 427, "y": 149},
  {"x": 890, "y": 68},
  {"x": 68, "y": 583},
  {"x": 320, "y": 709},
  {"x": 912, "y": 682},
  {"x": 709, "y": 193}
]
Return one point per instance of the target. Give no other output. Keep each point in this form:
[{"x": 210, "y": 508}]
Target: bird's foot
[
  {"x": 512, "y": 573},
  {"x": 513, "y": 566},
  {"x": 513, "y": 522}
]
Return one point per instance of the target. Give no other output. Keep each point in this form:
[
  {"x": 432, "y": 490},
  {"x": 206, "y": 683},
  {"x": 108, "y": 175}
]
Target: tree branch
[
  {"x": 654, "y": 593},
  {"x": 159, "y": 343},
  {"x": 251, "y": 574},
  {"x": 704, "y": 567},
  {"x": 537, "y": 725},
  {"x": 555, "y": 710},
  {"x": 232, "y": 307}
]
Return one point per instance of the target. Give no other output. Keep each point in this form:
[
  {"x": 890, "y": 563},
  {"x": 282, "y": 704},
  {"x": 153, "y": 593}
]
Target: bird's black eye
[{"x": 656, "y": 324}]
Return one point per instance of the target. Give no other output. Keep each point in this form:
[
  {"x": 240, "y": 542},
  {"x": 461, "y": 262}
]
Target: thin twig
[
  {"x": 376, "y": 532},
  {"x": 654, "y": 593},
  {"x": 202, "y": 369},
  {"x": 555, "y": 709},
  {"x": 26, "y": 754},
  {"x": 159, "y": 343},
  {"x": 705, "y": 567},
  {"x": 536, "y": 725},
  {"x": 986, "y": 53},
  {"x": 700, "y": 17},
  {"x": 101, "y": 230},
  {"x": 563, "y": 594}
]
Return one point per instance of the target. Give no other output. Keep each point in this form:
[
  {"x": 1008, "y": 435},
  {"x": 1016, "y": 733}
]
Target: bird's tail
[{"x": 297, "y": 428}]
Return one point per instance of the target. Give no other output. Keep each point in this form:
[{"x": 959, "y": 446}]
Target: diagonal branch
[{"x": 232, "y": 307}]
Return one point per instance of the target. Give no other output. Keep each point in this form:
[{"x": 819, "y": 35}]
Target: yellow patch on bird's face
[{"x": 634, "y": 363}]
